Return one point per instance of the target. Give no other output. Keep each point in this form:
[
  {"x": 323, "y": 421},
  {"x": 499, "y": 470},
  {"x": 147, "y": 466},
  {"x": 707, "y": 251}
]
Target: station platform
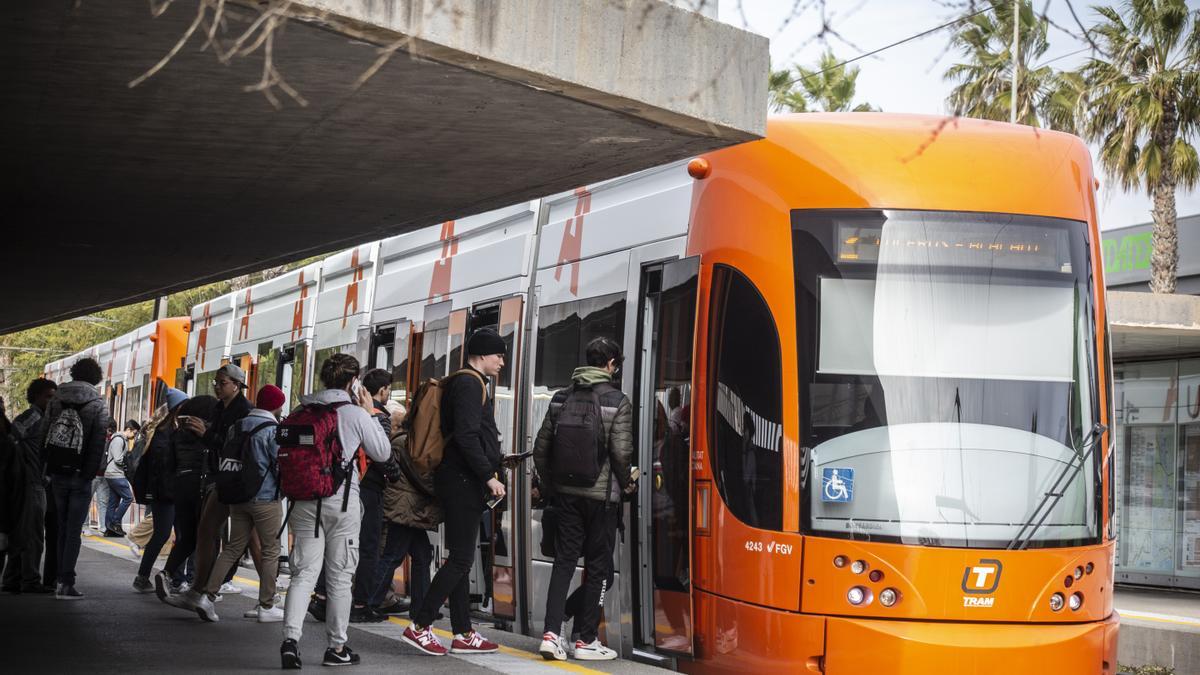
[
  {"x": 1159, "y": 628},
  {"x": 114, "y": 629}
]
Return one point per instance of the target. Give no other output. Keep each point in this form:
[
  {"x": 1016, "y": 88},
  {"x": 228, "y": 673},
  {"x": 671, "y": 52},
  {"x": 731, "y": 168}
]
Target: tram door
[{"x": 661, "y": 523}]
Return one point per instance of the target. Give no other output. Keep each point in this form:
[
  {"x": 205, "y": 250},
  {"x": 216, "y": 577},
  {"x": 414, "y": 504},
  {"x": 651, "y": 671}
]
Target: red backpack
[{"x": 311, "y": 462}]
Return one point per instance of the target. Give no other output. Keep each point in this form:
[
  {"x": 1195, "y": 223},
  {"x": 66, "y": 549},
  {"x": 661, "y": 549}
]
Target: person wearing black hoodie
[
  {"x": 229, "y": 386},
  {"x": 72, "y": 488},
  {"x": 469, "y": 475},
  {"x": 21, "y": 575}
]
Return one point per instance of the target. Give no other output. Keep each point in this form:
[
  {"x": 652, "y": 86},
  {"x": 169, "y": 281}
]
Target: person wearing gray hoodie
[{"x": 72, "y": 489}]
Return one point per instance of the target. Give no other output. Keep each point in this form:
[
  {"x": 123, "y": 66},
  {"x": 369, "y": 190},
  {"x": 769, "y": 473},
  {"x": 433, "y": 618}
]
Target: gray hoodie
[{"x": 93, "y": 414}]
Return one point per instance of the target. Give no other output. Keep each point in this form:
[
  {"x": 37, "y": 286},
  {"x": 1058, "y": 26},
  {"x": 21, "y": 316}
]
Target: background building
[{"x": 1156, "y": 361}]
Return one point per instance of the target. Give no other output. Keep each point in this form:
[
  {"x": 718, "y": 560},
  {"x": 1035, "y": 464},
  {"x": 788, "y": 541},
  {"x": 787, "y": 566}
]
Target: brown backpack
[{"x": 424, "y": 422}]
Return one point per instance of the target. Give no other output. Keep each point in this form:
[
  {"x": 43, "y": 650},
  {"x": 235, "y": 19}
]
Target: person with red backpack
[
  {"x": 468, "y": 475},
  {"x": 319, "y": 472}
]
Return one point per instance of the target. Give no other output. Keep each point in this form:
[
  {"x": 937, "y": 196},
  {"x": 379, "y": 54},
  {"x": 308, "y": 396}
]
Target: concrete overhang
[
  {"x": 119, "y": 193},
  {"x": 1151, "y": 325}
]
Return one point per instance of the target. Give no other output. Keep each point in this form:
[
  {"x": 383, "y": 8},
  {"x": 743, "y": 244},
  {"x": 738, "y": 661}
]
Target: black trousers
[
  {"x": 188, "y": 502},
  {"x": 462, "y": 501},
  {"x": 586, "y": 527},
  {"x": 369, "y": 533}
]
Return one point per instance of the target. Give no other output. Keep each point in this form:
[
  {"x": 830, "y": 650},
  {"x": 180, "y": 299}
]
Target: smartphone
[
  {"x": 356, "y": 387},
  {"x": 519, "y": 456},
  {"x": 494, "y": 501}
]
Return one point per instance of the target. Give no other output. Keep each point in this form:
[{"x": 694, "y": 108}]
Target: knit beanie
[
  {"x": 270, "y": 398},
  {"x": 485, "y": 342}
]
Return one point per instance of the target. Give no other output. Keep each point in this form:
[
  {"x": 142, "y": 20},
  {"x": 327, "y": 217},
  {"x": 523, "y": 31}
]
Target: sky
[{"x": 908, "y": 78}]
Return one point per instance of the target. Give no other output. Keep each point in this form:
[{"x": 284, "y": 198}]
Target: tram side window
[
  {"x": 747, "y": 401},
  {"x": 564, "y": 331}
]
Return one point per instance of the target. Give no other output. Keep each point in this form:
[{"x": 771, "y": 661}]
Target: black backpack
[
  {"x": 238, "y": 475},
  {"x": 577, "y": 454},
  {"x": 64, "y": 441}
]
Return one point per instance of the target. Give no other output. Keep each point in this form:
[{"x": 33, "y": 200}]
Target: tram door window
[
  {"x": 401, "y": 360},
  {"x": 505, "y": 318},
  {"x": 664, "y": 394},
  {"x": 563, "y": 331},
  {"x": 380, "y": 353},
  {"x": 746, "y": 401},
  {"x": 457, "y": 356},
  {"x": 133, "y": 398},
  {"x": 435, "y": 341},
  {"x": 266, "y": 371}
]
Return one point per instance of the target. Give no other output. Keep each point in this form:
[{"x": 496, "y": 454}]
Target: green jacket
[{"x": 617, "y": 435}]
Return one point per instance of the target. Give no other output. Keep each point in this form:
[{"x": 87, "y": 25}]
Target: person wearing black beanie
[{"x": 469, "y": 475}]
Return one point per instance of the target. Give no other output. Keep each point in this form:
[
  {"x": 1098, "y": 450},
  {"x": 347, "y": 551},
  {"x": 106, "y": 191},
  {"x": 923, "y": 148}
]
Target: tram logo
[
  {"x": 981, "y": 578},
  {"x": 837, "y": 485}
]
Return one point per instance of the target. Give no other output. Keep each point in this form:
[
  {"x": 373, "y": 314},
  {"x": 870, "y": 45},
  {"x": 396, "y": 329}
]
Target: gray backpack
[{"x": 64, "y": 441}]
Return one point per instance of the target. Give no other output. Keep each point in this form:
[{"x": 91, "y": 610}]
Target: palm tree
[
  {"x": 984, "y": 88},
  {"x": 828, "y": 87},
  {"x": 1139, "y": 99}
]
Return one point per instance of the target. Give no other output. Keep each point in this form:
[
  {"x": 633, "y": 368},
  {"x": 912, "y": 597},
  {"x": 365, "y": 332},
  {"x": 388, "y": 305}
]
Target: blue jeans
[
  {"x": 72, "y": 496},
  {"x": 119, "y": 498}
]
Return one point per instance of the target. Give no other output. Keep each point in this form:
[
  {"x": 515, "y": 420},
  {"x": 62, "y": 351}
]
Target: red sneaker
[
  {"x": 424, "y": 640},
  {"x": 473, "y": 643}
]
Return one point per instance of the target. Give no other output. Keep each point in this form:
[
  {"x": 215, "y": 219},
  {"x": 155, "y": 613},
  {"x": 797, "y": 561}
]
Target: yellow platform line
[{"x": 1181, "y": 621}]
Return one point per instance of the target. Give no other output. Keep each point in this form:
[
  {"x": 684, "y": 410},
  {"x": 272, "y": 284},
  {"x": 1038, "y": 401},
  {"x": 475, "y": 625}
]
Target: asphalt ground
[{"x": 114, "y": 629}]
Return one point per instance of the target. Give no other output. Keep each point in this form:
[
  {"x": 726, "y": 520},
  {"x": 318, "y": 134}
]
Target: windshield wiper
[{"x": 1051, "y": 497}]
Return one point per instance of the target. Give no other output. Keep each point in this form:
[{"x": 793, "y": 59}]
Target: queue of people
[{"x": 356, "y": 482}]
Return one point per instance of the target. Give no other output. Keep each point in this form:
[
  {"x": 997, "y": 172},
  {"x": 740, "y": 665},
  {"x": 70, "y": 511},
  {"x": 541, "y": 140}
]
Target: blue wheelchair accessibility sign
[{"x": 837, "y": 485}]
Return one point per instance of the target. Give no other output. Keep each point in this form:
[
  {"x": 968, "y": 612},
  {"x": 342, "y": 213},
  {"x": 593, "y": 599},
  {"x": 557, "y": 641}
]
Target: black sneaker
[
  {"x": 366, "y": 615},
  {"x": 67, "y": 592},
  {"x": 394, "y": 608},
  {"x": 15, "y": 590},
  {"x": 289, "y": 655},
  {"x": 112, "y": 533},
  {"x": 316, "y": 609},
  {"x": 346, "y": 657}
]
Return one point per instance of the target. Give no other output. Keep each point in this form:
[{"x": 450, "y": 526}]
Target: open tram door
[{"x": 659, "y": 529}]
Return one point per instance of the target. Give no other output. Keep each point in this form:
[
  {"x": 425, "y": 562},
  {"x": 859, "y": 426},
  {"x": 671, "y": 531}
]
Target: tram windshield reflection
[{"x": 948, "y": 376}]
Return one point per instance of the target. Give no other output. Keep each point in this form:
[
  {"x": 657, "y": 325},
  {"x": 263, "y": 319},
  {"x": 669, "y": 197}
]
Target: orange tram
[
  {"x": 869, "y": 362},
  {"x": 901, "y": 460}
]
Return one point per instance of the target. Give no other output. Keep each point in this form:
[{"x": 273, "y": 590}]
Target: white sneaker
[
  {"x": 273, "y": 614},
  {"x": 251, "y": 613},
  {"x": 593, "y": 651},
  {"x": 552, "y": 648},
  {"x": 230, "y": 587}
]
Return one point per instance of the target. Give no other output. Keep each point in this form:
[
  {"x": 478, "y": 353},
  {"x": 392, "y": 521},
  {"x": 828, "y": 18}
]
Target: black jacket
[
  {"x": 375, "y": 478},
  {"x": 218, "y": 425},
  {"x": 472, "y": 438}
]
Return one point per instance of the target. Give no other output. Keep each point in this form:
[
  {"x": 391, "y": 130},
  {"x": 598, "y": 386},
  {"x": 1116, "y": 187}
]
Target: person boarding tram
[{"x": 586, "y": 440}]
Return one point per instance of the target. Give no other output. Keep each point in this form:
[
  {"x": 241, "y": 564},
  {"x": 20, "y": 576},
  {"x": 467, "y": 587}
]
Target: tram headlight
[
  {"x": 888, "y": 597},
  {"x": 858, "y": 596},
  {"x": 1056, "y": 602},
  {"x": 1076, "y": 601},
  {"x": 1090, "y": 567},
  {"x": 840, "y": 561},
  {"x": 1078, "y": 572},
  {"x": 858, "y": 566}
]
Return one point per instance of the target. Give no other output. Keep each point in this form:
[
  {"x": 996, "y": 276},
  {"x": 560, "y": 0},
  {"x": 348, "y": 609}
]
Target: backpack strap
[{"x": 479, "y": 377}]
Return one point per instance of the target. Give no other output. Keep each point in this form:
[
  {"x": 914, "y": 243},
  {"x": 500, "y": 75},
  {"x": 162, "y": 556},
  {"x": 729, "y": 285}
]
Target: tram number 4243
[{"x": 769, "y": 547}]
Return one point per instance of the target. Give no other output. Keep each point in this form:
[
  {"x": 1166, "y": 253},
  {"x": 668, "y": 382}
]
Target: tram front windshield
[{"x": 947, "y": 378}]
